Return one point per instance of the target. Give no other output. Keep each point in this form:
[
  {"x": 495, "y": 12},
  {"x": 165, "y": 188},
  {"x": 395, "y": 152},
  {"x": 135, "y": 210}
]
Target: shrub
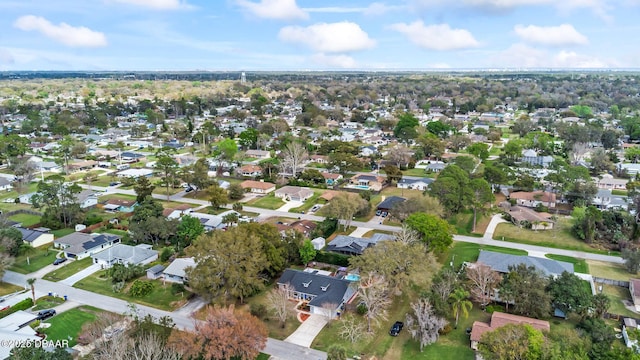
[
  {"x": 258, "y": 310},
  {"x": 166, "y": 254},
  {"x": 177, "y": 288},
  {"x": 117, "y": 287},
  {"x": 361, "y": 309},
  {"x": 92, "y": 219},
  {"x": 22, "y": 305},
  {"x": 493, "y": 308},
  {"x": 332, "y": 258},
  {"x": 141, "y": 288},
  {"x": 445, "y": 330}
]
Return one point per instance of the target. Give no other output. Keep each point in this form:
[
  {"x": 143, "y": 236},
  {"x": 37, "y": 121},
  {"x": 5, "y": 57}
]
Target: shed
[
  {"x": 155, "y": 272},
  {"x": 318, "y": 243}
]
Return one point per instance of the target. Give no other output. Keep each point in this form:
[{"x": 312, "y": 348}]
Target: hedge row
[
  {"x": 332, "y": 258},
  {"x": 22, "y": 305}
]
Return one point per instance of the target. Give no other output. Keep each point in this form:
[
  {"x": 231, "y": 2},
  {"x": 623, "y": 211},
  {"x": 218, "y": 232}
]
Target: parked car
[
  {"x": 378, "y": 212},
  {"x": 45, "y": 314},
  {"x": 315, "y": 208},
  {"x": 114, "y": 183},
  {"x": 59, "y": 261},
  {"x": 189, "y": 189},
  {"x": 396, "y": 328}
]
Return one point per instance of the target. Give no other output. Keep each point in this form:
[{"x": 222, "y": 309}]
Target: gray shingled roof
[
  {"x": 327, "y": 289},
  {"x": 30, "y": 235},
  {"x": 125, "y": 253},
  {"x": 500, "y": 262},
  {"x": 355, "y": 245},
  {"x": 390, "y": 202}
]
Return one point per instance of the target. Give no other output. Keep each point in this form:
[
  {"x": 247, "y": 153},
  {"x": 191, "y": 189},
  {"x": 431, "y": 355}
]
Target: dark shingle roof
[
  {"x": 29, "y": 235},
  {"x": 335, "y": 290},
  {"x": 500, "y": 262},
  {"x": 390, "y": 202}
]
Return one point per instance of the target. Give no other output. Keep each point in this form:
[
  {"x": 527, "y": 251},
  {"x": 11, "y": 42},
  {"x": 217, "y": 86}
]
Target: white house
[
  {"x": 79, "y": 245},
  {"x": 35, "y": 237},
  {"x": 175, "y": 272},
  {"x": 141, "y": 254},
  {"x": 414, "y": 184},
  {"x": 87, "y": 199},
  {"x": 5, "y": 184}
]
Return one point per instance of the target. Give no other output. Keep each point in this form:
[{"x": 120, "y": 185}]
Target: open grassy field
[
  {"x": 559, "y": 238},
  {"x": 267, "y": 202},
  {"x": 67, "y": 325},
  {"x": 463, "y": 222},
  {"x": 61, "y": 232},
  {"x": 608, "y": 270},
  {"x": 579, "y": 265},
  {"x": 67, "y": 269},
  {"x": 6, "y": 288},
  {"x": 39, "y": 258},
  {"x": 160, "y": 298},
  {"x": 26, "y": 220}
]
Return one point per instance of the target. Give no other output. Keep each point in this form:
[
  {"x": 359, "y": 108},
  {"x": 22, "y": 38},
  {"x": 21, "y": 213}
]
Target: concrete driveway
[
  {"x": 80, "y": 275},
  {"x": 307, "y": 331},
  {"x": 290, "y": 205}
]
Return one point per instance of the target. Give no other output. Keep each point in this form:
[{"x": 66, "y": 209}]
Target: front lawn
[
  {"x": 309, "y": 203},
  {"x": 37, "y": 259},
  {"x": 67, "y": 269},
  {"x": 559, "y": 237},
  {"x": 267, "y": 202},
  {"x": 47, "y": 302},
  {"x": 273, "y": 325},
  {"x": 461, "y": 252},
  {"x": 608, "y": 270},
  {"x": 463, "y": 222},
  {"x": 579, "y": 265},
  {"x": 26, "y": 220},
  {"x": 67, "y": 325},
  {"x": 160, "y": 297},
  {"x": 6, "y": 288}
]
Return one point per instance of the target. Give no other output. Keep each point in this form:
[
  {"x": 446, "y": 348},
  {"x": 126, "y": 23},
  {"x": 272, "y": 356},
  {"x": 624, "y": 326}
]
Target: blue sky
[{"x": 299, "y": 35}]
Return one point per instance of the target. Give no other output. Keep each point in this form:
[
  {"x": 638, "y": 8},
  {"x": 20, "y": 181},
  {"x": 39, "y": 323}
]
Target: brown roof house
[
  {"x": 294, "y": 193},
  {"x": 634, "y": 288},
  {"x": 250, "y": 170},
  {"x": 499, "y": 319},
  {"x": 258, "y": 187},
  {"x": 305, "y": 227},
  {"x": 534, "y": 198},
  {"x": 526, "y": 217}
]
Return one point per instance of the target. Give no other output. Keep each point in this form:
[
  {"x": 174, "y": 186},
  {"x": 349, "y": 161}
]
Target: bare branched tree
[
  {"x": 374, "y": 293},
  {"x": 399, "y": 155},
  {"x": 329, "y": 310},
  {"x": 483, "y": 281},
  {"x": 424, "y": 324},
  {"x": 278, "y": 302},
  {"x": 351, "y": 328},
  {"x": 294, "y": 154},
  {"x": 578, "y": 152},
  {"x": 407, "y": 235},
  {"x": 444, "y": 283}
]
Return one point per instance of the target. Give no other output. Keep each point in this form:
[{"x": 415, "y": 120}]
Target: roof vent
[
  {"x": 324, "y": 288},
  {"x": 306, "y": 284}
]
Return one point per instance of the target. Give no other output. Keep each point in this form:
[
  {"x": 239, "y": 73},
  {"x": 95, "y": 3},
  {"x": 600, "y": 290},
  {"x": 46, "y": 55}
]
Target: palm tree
[
  {"x": 31, "y": 282},
  {"x": 460, "y": 304}
]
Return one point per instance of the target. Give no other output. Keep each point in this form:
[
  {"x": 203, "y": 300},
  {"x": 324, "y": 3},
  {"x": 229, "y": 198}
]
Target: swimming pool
[{"x": 352, "y": 277}]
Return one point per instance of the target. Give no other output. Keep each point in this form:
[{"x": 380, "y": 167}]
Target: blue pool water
[
  {"x": 366, "y": 187},
  {"x": 352, "y": 277}
]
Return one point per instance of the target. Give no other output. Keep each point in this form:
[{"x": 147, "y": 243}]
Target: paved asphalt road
[{"x": 277, "y": 348}]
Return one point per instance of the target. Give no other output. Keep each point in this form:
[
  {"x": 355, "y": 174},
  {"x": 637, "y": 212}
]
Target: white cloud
[
  {"x": 6, "y": 57},
  {"x": 63, "y": 33},
  {"x": 561, "y": 35},
  {"x": 436, "y": 37},
  {"x": 334, "y": 61},
  {"x": 156, "y": 4},
  {"x": 274, "y": 9},
  {"x": 374, "y": 9},
  {"x": 523, "y": 56},
  {"x": 338, "y": 37}
]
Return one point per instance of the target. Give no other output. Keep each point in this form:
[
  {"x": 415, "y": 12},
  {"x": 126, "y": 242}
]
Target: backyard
[
  {"x": 67, "y": 325},
  {"x": 68, "y": 268},
  {"x": 27, "y": 220},
  {"x": 617, "y": 295},
  {"x": 161, "y": 297},
  {"x": 34, "y": 260}
]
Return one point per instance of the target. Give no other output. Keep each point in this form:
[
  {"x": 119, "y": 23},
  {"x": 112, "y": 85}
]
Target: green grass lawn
[
  {"x": 267, "y": 202},
  {"x": 67, "y": 269},
  {"x": 273, "y": 325},
  {"x": 26, "y": 220},
  {"x": 579, "y": 265},
  {"x": 47, "y": 302},
  {"x": 452, "y": 346},
  {"x": 160, "y": 298},
  {"x": 608, "y": 270},
  {"x": 62, "y": 232},
  {"x": 463, "y": 222},
  {"x": 416, "y": 172},
  {"x": 309, "y": 203},
  {"x": 618, "y": 294},
  {"x": 460, "y": 252},
  {"x": 102, "y": 181},
  {"x": 69, "y": 323},
  {"x": 559, "y": 238},
  {"x": 117, "y": 196},
  {"x": 39, "y": 258},
  {"x": 6, "y": 288}
]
